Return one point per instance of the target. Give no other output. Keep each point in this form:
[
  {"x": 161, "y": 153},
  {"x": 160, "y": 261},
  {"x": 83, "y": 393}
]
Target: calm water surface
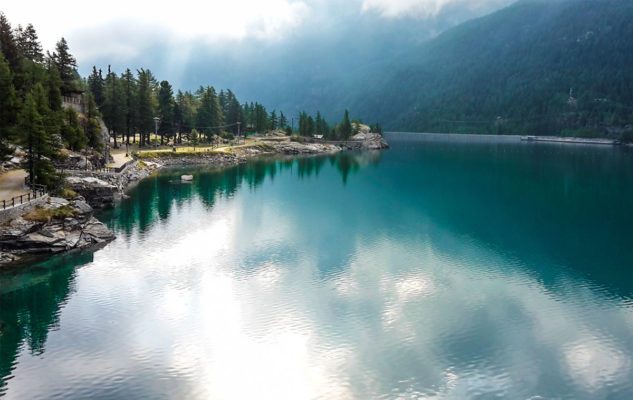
[{"x": 441, "y": 269}]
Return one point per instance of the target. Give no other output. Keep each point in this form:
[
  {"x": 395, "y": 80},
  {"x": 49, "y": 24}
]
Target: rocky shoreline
[
  {"x": 57, "y": 226},
  {"x": 62, "y": 225}
]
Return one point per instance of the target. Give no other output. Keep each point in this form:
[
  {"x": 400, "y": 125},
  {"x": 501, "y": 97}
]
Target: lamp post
[{"x": 156, "y": 120}]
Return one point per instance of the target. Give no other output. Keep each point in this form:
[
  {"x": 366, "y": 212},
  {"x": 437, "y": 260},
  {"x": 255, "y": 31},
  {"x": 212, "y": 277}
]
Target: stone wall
[{"x": 14, "y": 212}]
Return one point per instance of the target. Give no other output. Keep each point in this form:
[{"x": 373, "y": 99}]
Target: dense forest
[
  {"x": 536, "y": 67},
  {"x": 46, "y": 107}
]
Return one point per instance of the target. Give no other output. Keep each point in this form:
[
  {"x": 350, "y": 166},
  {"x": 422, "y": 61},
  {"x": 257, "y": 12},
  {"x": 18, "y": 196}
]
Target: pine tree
[
  {"x": 145, "y": 112},
  {"x": 345, "y": 128},
  {"x": 283, "y": 121},
  {"x": 209, "y": 116},
  {"x": 260, "y": 118},
  {"x": 96, "y": 85},
  {"x": 29, "y": 44},
  {"x": 33, "y": 135},
  {"x": 8, "y": 44},
  {"x": 92, "y": 127},
  {"x": 273, "y": 121},
  {"x": 166, "y": 110},
  {"x": 187, "y": 111},
  {"x": 233, "y": 115},
  {"x": 72, "y": 134},
  {"x": 113, "y": 108},
  {"x": 66, "y": 64},
  {"x": 129, "y": 99},
  {"x": 8, "y": 103},
  {"x": 194, "y": 138}
]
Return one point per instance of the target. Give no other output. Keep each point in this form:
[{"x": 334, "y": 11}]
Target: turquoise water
[{"x": 444, "y": 268}]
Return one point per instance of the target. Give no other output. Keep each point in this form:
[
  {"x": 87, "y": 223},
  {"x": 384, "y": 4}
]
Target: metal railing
[
  {"x": 109, "y": 170},
  {"x": 36, "y": 192}
]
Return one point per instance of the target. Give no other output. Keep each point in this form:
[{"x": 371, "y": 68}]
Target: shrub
[
  {"x": 41, "y": 214},
  {"x": 68, "y": 193},
  {"x": 298, "y": 139},
  {"x": 227, "y": 136}
]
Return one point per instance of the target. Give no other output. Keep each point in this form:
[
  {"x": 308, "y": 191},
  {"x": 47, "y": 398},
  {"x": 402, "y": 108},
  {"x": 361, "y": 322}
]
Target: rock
[
  {"x": 97, "y": 232},
  {"x": 82, "y": 207},
  {"x": 21, "y": 237},
  {"x": 187, "y": 178},
  {"x": 57, "y": 202},
  {"x": 370, "y": 141},
  {"x": 98, "y": 193}
]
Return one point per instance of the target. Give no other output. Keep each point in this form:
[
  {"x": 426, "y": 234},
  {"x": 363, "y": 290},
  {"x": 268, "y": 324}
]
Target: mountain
[{"x": 512, "y": 71}]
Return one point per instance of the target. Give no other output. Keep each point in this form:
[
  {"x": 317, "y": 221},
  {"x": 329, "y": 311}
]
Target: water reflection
[
  {"x": 30, "y": 304},
  {"x": 491, "y": 270},
  {"x": 153, "y": 199}
]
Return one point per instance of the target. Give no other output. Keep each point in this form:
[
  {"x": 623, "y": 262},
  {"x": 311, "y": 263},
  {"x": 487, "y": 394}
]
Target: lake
[{"x": 445, "y": 268}]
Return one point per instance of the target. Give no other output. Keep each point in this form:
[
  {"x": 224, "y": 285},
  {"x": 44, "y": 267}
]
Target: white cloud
[
  {"x": 175, "y": 21},
  {"x": 426, "y": 8}
]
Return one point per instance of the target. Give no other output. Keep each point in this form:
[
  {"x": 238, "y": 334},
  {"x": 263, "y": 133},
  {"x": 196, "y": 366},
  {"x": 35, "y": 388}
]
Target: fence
[
  {"x": 107, "y": 170},
  {"x": 36, "y": 192}
]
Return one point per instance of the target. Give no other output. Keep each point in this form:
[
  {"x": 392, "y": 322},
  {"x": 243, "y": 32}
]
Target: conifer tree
[
  {"x": 36, "y": 140},
  {"x": 29, "y": 44},
  {"x": 66, "y": 64},
  {"x": 283, "y": 121},
  {"x": 166, "y": 111},
  {"x": 92, "y": 128},
  {"x": 145, "y": 113},
  {"x": 72, "y": 134},
  {"x": 129, "y": 99},
  {"x": 8, "y": 44},
  {"x": 8, "y": 103},
  {"x": 273, "y": 120},
  {"x": 345, "y": 128},
  {"x": 96, "y": 85}
]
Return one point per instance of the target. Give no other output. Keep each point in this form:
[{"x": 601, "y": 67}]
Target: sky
[{"x": 126, "y": 28}]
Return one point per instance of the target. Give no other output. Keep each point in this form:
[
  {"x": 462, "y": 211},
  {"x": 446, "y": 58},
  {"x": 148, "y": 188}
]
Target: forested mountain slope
[{"x": 512, "y": 71}]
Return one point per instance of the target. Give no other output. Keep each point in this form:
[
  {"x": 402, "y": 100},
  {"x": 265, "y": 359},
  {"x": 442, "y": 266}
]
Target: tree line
[
  {"x": 122, "y": 108},
  {"x": 32, "y": 87}
]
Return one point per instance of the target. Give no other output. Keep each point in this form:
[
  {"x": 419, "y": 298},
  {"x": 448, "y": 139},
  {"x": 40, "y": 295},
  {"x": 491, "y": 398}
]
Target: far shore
[{"x": 522, "y": 138}]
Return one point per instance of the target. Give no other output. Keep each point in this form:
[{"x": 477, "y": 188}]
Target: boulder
[
  {"x": 22, "y": 237},
  {"x": 98, "y": 193}
]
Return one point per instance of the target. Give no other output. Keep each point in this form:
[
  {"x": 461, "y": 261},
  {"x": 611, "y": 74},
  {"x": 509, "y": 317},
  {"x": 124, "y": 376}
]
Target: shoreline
[
  {"x": 24, "y": 242},
  {"x": 522, "y": 138}
]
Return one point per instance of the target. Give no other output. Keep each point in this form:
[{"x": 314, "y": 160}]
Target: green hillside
[{"x": 512, "y": 71}]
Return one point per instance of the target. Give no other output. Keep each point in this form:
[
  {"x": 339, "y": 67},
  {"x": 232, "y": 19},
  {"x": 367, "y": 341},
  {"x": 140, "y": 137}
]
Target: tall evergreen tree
[
  {"x": 113, "y": 108},
  {"x": 145, "y": 111},
  {"x": 96, "y": 85},
  {"x": 345, "y": 128},
  {"x": 8, "y": 44},
  {"x": 92, "y": 127},
  {"x": 36, "y": 140},
  {"x": 29, "y": 44},
  {"x": 283, "y": 121},
  {"x": 166, "y": 111},
  {"x": 72, "y": 134},
  {"x": 8, "y": 102},
  {"x": 129, "y": 100},
  {"x": 66, "y": 64}
]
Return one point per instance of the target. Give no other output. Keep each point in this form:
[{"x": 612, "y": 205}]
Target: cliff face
[{"x": 57, "y": 226}]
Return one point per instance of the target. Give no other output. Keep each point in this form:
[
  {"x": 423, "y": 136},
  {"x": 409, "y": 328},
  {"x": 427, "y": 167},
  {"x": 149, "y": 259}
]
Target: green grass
[
  {"x": 145, "y": 155},
  {"x": 47, "y": 214}
]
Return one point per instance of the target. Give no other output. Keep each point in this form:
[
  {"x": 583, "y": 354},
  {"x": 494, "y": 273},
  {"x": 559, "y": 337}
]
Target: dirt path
[{"x": 12, "y": 184}]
